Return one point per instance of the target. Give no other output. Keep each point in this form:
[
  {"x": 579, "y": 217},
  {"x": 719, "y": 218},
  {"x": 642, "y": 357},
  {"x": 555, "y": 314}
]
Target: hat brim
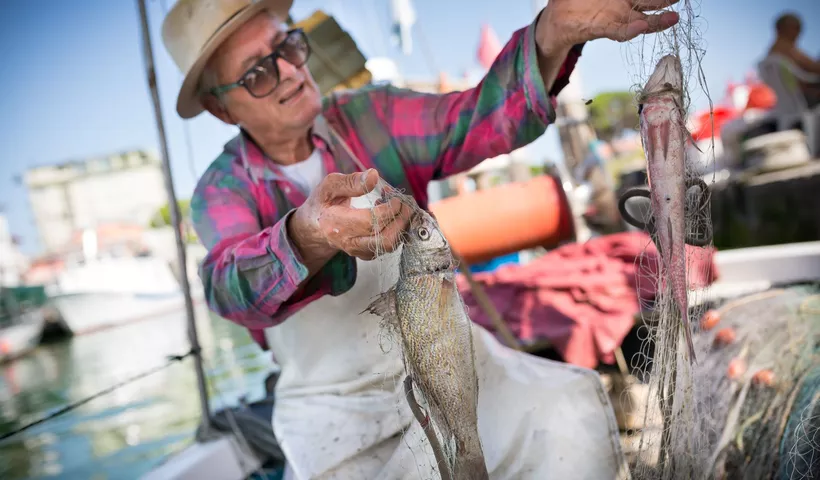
[{"x": 188, "y": 100}]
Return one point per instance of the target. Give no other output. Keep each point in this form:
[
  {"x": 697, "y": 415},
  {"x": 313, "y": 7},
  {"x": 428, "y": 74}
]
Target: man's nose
[{"x": 286, "y": 69}]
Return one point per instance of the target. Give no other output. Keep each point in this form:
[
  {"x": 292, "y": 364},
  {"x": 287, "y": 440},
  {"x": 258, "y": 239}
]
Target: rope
[{"x": 75, "y": 405}]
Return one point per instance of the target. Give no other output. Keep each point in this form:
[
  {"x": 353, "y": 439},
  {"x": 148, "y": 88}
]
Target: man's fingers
[
  {"x": 662, "y": 21},
  {"x": 341, "y": 221},
  {"x": 650, "y": 5},
  {"x": 641, "y": 23},
  {"x": 387, "y": 240},
  {"x": 337, "y": 185}
]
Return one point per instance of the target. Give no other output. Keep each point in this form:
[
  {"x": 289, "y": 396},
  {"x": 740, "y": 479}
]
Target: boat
[
  {"x": 20, "y": 328},
  {"x": 100, "y": 290},
  {"x": 21, "y": 337}
]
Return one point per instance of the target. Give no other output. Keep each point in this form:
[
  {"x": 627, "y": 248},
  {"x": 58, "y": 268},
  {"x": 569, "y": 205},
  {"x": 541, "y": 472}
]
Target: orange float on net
[
  {"x": 725, "y": 336},
  {"x": 737, "y": 367},
  {"x": 764, "y": 377},
  {"x": 709, "y": 320}
]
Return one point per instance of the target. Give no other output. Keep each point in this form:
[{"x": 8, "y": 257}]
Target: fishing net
[
  {"x": 756, "y": 394},
  {"x": 748, "y": 407},
  {"x": 671, "y": 444}
]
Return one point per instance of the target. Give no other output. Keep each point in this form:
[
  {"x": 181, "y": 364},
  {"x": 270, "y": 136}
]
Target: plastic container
[{"x": 498, "y": 221}]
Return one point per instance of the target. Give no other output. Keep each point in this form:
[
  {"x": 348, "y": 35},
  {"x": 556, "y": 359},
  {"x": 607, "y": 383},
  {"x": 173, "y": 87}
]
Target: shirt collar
[{"x": 258, "y": 165}]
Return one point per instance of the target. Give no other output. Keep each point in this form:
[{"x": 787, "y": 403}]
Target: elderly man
[{"x": 291, "y": 259}]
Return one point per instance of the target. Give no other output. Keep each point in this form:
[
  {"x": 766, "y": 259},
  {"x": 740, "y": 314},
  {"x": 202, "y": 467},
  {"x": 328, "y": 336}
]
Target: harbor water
[{"x": 124, "y": 434}]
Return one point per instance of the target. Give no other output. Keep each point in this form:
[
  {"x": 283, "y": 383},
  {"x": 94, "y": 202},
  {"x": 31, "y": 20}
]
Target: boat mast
[{"x": 176, "y": 220}]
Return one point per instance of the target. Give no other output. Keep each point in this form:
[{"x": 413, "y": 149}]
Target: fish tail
[{"x": 677, "y": 263}]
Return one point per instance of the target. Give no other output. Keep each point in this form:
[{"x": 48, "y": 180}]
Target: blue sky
[{"x": 73, "y": 85}]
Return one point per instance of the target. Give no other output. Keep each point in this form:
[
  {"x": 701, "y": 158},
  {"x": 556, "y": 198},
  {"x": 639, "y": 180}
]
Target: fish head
[
  {"x": 667, "y": 76},
  {"x": 425, "y": 249}
]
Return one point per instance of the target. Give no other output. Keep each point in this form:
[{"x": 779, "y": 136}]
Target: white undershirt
[{"x": 308, "y": 173}]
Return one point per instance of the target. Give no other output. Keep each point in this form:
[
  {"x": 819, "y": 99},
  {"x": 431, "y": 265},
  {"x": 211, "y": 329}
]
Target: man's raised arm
[{"x": 438, "y": 135}]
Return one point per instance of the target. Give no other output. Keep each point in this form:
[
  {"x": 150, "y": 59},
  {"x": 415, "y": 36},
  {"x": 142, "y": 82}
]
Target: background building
[
  {"x": 12, "y": 263},
  {"x": 125, "y": 188}
]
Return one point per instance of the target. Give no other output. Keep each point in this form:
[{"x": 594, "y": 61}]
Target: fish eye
[{"x": 423, "y": 233}]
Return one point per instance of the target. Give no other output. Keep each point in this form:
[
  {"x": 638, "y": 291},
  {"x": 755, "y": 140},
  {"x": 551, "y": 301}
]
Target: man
[
  {"x": 787, "y": 30},
  {"x": 291, "y": 258}
]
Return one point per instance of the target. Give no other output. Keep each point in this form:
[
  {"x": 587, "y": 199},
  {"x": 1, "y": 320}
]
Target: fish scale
[{"x": 425, "y": 308}]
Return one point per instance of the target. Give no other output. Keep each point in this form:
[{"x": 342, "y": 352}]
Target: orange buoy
[
  {"x": 764, "y": 377},
  {"x": 736, "y": 368},
  {"x": 709, "y": 320},
  {"x": 725, "y": 336},
  {"x": 505, "y": 219}
]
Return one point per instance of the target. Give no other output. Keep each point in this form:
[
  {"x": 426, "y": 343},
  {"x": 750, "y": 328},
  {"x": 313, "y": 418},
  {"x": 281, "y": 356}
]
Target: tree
[
  {"x": 163, "y": 219},
  {"x": 163, "y": 216},
  {"x": 610, "y": 113}
]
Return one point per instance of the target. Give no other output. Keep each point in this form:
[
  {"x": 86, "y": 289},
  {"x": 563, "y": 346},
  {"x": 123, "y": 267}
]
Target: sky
[{"x": 73, "y": 82}]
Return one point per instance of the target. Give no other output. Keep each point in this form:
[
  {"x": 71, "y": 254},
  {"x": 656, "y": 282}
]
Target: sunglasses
[{"x": 263, "y": 78}]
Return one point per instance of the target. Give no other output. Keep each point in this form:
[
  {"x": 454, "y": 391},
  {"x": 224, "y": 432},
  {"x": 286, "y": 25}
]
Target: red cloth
[{"x": 581, "y": 297}]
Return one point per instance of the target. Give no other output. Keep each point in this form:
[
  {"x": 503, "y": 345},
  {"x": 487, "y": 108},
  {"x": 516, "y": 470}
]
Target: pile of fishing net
[
  {"x": 752, "y": 407},
  {"x": 582, "y": 298}
]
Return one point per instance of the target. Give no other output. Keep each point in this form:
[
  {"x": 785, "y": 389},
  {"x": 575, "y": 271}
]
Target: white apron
[{"x": 341, "y": 412}]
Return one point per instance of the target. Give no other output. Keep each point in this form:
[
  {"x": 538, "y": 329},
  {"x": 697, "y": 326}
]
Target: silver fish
[
  {"x": 664, "y": 137},
  {"x": 426, "y": 310}
]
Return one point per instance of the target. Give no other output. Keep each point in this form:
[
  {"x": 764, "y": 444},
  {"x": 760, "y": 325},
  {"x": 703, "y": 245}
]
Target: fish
[
  {"x": 664, "y": 136},
  {"x": 426, "y": 309}
]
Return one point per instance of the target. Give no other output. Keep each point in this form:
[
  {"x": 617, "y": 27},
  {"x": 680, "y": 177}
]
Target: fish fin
[{"x": 384, "y": 305}]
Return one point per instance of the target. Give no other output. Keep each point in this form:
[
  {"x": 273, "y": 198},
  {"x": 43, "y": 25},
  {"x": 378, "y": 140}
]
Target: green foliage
[
  {"x": 163, "y": 216},
  {"x": 163, "y": 219},
  {"x": 612, "y": 112}
]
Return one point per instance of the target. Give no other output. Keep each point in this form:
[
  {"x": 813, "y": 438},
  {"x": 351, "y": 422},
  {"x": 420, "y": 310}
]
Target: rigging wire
[{"x": 176, "y": 218}]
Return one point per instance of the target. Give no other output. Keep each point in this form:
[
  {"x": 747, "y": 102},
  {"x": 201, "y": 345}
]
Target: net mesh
[
  {"x": 672, "y": 443},
  {"x": 754, "y": 395}
]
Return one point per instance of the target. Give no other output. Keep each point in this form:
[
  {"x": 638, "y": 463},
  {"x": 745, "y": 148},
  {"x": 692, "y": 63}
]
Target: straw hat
[{"x": 194, "y": 29}]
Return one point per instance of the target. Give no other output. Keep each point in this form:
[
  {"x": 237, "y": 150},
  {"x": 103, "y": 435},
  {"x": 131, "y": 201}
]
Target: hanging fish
[
  {"x": 427, "y": 311},
  {"x": 664, "y": 136}
]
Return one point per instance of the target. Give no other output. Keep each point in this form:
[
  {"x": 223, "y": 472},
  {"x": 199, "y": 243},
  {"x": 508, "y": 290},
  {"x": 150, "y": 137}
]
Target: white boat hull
[
  {"x": 19, "y": 339},
  {"x": 115, "y": 291},
  {"x": 89, "y": 312}
]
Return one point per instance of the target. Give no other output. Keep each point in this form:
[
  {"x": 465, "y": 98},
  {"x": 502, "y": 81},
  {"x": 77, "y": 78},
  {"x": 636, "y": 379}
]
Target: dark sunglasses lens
[
  {"x": 295, "y": 49},
  {"x": 263, "y": 78}
]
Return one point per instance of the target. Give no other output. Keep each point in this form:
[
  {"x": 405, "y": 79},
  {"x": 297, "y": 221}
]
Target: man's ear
[{"x": 216, "y": 108}]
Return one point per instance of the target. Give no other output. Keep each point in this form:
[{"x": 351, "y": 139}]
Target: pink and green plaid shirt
[{"x": 240, "y": 206}]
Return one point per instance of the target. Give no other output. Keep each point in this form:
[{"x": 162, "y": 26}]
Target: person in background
[
  {"x": 290, "y": 258},
  {"x": 787, "y": 31}
]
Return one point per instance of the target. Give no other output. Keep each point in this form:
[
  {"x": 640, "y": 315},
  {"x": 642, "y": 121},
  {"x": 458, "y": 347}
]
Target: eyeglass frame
[{"x": 220, "y": 89}]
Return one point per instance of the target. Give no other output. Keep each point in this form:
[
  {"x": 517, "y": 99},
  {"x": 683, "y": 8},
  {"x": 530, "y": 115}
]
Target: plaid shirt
[{"x": 241, "y": 204}]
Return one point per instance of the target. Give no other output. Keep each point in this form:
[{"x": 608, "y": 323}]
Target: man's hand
[
  {"x": 565, "y": 23},
  {"x": 326, "y": 223}
]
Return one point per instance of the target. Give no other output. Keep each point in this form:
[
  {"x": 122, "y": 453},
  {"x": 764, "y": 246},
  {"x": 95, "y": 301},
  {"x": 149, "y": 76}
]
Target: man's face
[{"x": 292, "y": 105}]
